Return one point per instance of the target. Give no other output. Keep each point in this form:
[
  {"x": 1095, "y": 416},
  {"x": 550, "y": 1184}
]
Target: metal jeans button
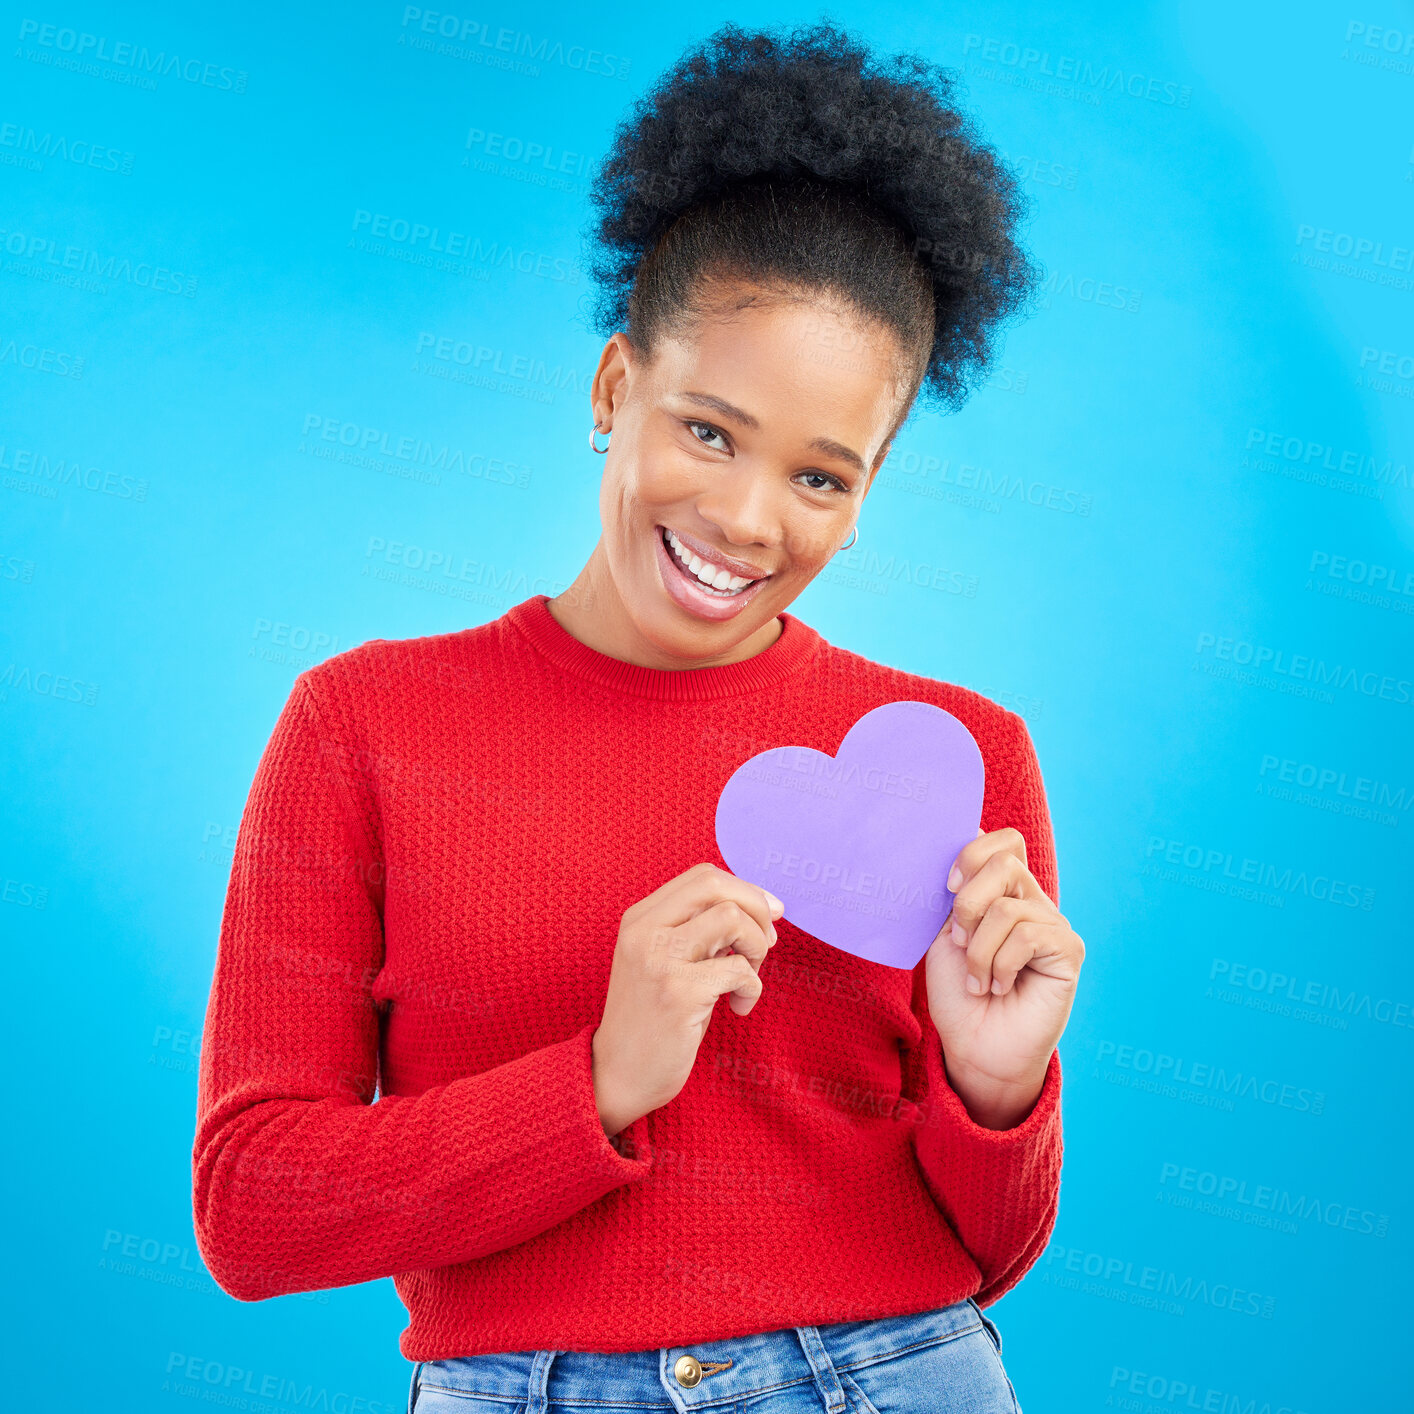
[{"x": 687, "y": 1371}]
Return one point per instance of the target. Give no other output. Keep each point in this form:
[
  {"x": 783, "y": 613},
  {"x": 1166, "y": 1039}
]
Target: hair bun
[{"x": 815, "y": 106}]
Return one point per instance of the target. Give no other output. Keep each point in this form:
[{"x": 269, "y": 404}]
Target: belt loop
[
  {"x": 537, "y": 1395},
  {"x": 823, "y": 1368}
]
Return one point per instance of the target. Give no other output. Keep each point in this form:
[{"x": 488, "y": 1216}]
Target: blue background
[{"x": 1182, "y": 476}]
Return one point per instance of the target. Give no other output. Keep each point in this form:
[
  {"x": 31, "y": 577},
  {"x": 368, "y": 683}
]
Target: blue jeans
[{"x": 944, "y": 1361}]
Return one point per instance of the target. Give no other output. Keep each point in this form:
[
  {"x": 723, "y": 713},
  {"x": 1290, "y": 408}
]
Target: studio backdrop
[{"x": 294, "y": 354}]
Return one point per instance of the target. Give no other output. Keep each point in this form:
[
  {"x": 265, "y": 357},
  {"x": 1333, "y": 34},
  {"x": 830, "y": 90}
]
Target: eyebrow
[{"x": 828, "y": 445}]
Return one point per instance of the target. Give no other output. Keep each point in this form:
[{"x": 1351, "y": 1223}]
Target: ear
[{"x": 612, "y": 379}]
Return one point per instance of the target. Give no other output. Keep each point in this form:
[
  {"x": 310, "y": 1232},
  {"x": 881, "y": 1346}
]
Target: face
[{"x": 744, "y": 449}]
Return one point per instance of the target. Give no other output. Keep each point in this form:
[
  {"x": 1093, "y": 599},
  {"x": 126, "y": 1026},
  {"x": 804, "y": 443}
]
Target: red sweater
[{"x": 440, "y": 840}]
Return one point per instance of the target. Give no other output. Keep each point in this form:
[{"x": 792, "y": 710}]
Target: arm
[
  {"x": 300, "y": 1181},
  {"x": 999, "y": 1188}
]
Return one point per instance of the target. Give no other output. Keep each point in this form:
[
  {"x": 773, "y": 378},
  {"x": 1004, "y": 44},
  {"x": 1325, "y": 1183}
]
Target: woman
[{"x": 477, "y": 870}]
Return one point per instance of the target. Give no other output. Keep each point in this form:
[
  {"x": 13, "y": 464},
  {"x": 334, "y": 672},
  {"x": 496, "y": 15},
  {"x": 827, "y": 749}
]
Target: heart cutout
[{"x": 858, "y": 845}]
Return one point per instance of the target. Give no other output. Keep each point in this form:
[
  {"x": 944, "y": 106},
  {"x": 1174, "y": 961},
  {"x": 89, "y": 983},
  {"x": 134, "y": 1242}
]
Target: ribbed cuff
[
  {"x": 628, "y": 1152},
  {"x": 947, "y": 1111},
  {"x": 963, "y": 1160}
]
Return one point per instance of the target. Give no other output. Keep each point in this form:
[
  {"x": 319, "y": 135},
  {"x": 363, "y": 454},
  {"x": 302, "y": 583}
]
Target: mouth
[{"x": 711, "y": 590}]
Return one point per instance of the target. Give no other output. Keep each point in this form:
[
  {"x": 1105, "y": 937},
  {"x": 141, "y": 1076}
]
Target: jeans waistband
[{"x": 731, "y": 1369}]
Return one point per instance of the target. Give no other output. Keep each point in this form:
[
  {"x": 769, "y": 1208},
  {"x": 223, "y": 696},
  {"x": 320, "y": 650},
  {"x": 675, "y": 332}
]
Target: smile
[
  {"x": 711, "y": 577},
  {"x": 705, "y": 588}
]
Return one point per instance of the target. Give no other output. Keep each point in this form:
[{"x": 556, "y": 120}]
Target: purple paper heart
[{"x": 858, "y": 845}]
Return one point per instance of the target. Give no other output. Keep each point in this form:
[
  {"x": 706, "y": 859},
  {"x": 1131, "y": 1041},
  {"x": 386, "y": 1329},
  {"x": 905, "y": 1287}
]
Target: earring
[
  {"x": 592, "y": 432},
  {"x": 854, "y": 535}
]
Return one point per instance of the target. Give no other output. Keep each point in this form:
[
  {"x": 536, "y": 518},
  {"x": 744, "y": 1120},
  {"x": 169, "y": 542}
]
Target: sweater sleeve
[
  {"x": 300, "y": 1179},
  {"x": 998, "y": 1189}
]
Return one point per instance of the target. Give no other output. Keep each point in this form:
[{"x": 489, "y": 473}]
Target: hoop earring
[
  {"x": 854, "y": 535},
  {"x": 592, "y": 433}
]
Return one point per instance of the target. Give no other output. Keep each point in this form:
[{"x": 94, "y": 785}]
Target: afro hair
[{"x": 800, "y": 161}]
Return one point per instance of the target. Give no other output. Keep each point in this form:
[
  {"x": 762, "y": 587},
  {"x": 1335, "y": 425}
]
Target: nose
[{"x": 743, "y": 510}]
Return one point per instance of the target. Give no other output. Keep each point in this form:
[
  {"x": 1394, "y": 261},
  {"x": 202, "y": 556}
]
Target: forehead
[{"x": 794, "y": 363}]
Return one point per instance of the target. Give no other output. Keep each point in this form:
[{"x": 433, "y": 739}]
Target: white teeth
[{"x": 720, "y": 580}]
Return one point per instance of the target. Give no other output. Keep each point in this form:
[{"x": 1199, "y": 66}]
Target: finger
[
  {"x": 985, "y": 963},
  {"x": 971, "y": 857},
  {"x": 733, "y": 974},
  {"x": 991, "y": 933},
  {"x": 1002, "y": 876},
  {"x": 1027, "y": 940},
  {"x": 705, "y": 884},
  {"x": 724, "y": 927},
  {"x": 946, "y": 930}
]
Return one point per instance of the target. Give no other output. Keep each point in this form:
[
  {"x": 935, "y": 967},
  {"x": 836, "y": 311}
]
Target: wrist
[
  {"x": 616, "y": 1110},
  {"x": 991, "y": 1102}
]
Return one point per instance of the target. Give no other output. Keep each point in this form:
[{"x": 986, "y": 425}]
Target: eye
[
  {"x": 828, "y": 477},
  {"x": 714, "y": 432}
]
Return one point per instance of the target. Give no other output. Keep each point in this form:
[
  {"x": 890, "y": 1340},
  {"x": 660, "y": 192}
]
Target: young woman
[{"x": 477, "y": 872}]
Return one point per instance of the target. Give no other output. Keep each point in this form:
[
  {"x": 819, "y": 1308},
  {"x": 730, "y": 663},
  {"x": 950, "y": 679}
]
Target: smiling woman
[
  {"x": 794, "y": 247},
  {"x": 701, "y": 490},
  {"x": 501, "y": 908}
]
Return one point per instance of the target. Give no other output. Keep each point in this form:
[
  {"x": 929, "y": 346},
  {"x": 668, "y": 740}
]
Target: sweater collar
[{"x": 792, "y": 649}]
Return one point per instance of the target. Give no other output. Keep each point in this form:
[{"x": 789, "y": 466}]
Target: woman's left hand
[{"x": 1001, "y": 978}]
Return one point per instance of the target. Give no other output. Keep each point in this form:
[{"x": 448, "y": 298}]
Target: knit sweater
[{"x": 440, "y": 840}]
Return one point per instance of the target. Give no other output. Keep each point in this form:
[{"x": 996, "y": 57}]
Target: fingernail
[
  {"x": 954, "y": 879},
  {"x": 973, "y": 985},
  {"x": 773, "y": 901},
  {"x": 996, "y": 986},
  {"x": 958, "y": 936}
]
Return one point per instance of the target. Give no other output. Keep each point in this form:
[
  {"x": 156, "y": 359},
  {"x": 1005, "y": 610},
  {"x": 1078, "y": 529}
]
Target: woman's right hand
[{"x": 701, "y": 934}]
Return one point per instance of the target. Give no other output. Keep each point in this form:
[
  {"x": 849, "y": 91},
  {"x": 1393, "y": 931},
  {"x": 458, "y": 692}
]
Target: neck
[{"x": 593, "y": 611}]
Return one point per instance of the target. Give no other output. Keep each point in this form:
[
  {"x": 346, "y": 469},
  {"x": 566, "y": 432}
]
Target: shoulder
[{"x": 382, "y": 673}]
